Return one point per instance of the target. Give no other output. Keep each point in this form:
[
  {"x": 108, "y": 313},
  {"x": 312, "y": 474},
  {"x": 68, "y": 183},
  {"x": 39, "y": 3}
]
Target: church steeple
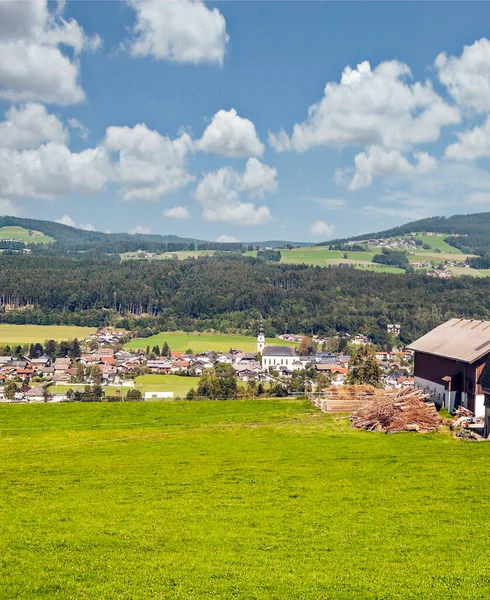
[{"x": 261, "y": 338}]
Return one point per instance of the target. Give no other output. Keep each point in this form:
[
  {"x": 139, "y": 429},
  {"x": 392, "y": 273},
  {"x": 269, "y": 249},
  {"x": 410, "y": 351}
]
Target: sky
[{"x": 248, "y": 121}]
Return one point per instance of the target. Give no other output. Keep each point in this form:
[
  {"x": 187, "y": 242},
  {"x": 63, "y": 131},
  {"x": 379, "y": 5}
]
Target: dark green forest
[{"x": 231, "y": 294}]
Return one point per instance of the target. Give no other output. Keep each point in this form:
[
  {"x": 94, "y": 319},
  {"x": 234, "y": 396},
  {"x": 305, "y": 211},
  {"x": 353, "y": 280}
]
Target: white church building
[{"x": 277, "y": 356}]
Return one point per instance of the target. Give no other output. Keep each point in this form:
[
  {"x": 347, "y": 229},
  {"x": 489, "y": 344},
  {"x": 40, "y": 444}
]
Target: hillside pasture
[
  {"x": 177, "y": 384},
  {"x": 240, "y": 499},
  {"x": 180, "y": 341},
  {"x": 22, "y": 235},
  {"x": 437, "y": 242},
  {"x": 32, "y": 334}
]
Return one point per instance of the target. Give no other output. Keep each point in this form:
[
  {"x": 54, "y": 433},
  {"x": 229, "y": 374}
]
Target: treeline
[
  {"x": 51, "y": 348},
  {"x": 230, "y": 295}
]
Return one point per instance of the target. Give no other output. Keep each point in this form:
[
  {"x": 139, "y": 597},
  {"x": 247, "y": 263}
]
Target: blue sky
[{"x": 244, "y": 120}]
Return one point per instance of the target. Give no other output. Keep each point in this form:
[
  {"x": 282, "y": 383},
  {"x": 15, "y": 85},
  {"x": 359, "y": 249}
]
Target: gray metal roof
[
  {"x": 459, "y": 339},
  {"x": 279, "y": 351}
]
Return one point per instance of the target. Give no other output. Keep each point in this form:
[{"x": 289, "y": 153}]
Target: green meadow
[
  {"x": 177, "y": 384},
  {"x": 23, "y": 235},
  {"x": 32, "y": 334},
  {"x": 253, "y": 499},
  {"x": 180, "y": 341}
]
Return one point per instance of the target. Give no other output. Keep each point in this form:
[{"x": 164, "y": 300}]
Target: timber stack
[{"x": 395, "y": 411}]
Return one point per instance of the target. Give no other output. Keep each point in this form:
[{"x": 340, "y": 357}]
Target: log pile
[{"x": 396, "y": 411}]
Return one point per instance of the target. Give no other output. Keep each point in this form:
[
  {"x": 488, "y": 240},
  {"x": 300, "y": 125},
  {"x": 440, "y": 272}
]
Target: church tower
[{"x": 261, "y": 338}]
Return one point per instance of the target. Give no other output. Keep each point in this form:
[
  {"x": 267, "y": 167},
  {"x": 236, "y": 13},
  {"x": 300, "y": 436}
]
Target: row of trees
[
  {"x": 69, "y": 348},
  {"x": 231, "y": 294}
]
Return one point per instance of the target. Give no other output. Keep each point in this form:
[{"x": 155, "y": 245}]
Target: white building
[{"x": 279, "y": 356}]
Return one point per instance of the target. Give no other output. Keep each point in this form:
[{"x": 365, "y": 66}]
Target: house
[
  {"x": 35, "y": 394},
  {"x": 449, "y": 362},
  {"x": 62, "y": 364},
  {"x": 42, "y": 361},
  {"x": 158, "y": 395},
  {"x": 279, "y": 356}
]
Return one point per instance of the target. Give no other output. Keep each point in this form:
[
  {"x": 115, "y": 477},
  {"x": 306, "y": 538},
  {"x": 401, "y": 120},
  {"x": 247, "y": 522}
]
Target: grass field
[
  {"x": 166, "y": 383},
  {"x": 255, "y": 499},
  {"x": 21, "y": 234},
  {"x": 437, "y": 242},
  {"x": 31, "y": 334},
  {"x": 180, "y": 341}
]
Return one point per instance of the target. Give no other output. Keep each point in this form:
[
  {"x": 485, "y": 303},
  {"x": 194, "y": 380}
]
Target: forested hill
[
  {"x": 231, "y": 294},
  {"x": 470, "y": 233}
]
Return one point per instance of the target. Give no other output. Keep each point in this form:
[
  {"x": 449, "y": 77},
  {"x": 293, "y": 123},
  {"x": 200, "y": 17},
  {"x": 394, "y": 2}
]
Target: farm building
[{"x": 449, "y": 362}]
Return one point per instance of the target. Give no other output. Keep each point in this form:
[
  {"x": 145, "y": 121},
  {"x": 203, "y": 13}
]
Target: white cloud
[
  {"x": 9, "y": 208},
  {"x": 227, "y": 239},
  {"x": 149, "y": 165},
  {"x": 258, "y": 179},
  {"x": 467, "y": 77},
  {"x": 28, "y": 126},
  {"x": 79, "y": 127},
  {"x": 471, "y": 144},
  {"x": 32, "y": 65},
  {"x": 377, "y": 162},
  {"x": 231, "y": 135},
  {"x": 140, "y": 229},
  {"x": 185, "y": 31},
  {"x": 218, "y": 193},
  {"x": 177, "y": 212},
  {"x": 379, "y": 107},
  {"x": 67, "y": 220},
  {"x": 321, "y": 229},
  {"x": 478, "y": 198},
  {"x": 52, "y": 170}
]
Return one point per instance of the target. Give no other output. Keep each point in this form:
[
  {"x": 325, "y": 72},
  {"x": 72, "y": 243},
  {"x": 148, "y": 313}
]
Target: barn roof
[{"x": 459, "y": 339}]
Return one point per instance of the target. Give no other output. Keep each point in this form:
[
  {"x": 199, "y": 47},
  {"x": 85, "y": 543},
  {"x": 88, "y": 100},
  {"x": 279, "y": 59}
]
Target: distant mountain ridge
[
  {"x": 470, "y": 233},
  {"x": 81, "y": 239}
]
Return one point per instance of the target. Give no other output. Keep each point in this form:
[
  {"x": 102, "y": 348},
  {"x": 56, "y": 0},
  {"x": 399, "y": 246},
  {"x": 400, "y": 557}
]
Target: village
[{"x": 102, "y": 364}]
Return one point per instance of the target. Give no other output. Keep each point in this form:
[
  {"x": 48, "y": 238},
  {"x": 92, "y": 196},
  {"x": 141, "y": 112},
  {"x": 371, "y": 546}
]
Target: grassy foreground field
[
  {"x": 32, "y": 334},
  {"x": 254, "y": 499},
  {"x": 180, "y": 341}
]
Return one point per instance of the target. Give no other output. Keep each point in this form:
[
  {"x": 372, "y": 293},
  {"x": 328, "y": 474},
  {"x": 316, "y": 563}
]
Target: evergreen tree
[
  {"x": 51, "y": 348},
  {"x": 365, "y": 369},
  {"x": 166, "y": 350}
]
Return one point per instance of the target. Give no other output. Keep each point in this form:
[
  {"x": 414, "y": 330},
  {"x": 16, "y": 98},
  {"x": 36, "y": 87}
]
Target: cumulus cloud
[
  {"x": 471, "y": 144},
  {"x": 177, "y": 212},
  {"x": 380, "y": 107},
  {"x": 227, "y": 239},
  {"x": 219, "y": 194},
  {"x": 186, "y": 31},
  {"x": 32, "y": 65},
  {"x": 258, "y": 179},
  {"x": 148, "y": 165},
  {"x": 467, "y": 77},
  {"x": 52, "y": 170},
  {"x": 322, "y": 229},
  {"x": 377, "y": 162},
  {"x": 140, "y": 229},
  {"x": 67, "y": 220},
  {"x": 28, "y": 126},
  {"x": 231, "y": 135}
]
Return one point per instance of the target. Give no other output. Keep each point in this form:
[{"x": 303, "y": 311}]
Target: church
[{"x": 276, "y": 356}]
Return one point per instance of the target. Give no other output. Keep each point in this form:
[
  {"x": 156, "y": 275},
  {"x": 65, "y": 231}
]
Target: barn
[{"x": 449, "y": 362}]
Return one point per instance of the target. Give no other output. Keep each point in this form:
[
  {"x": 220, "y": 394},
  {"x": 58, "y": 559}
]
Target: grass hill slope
[
  {"x": 240, "y": 499},
  {"x": 469, "y": 233}
]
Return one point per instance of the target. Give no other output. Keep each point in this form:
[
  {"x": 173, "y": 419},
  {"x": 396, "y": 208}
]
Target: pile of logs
[{"x": 396, "y": 411}]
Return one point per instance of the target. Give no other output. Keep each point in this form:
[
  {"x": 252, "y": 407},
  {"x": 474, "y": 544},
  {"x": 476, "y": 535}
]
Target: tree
[
  {"x": 74, "y": 351},
  {"x": 134, "y": 395},
  {"x": 10, "y": 390},
  {"x": 365, "y": 369},
  {"x": 251, "y": 388},
  {"x": 156, "y": 350},
  {"x": 51, "y": 348},
  {"x": 80, "y": 372},
  {"x": 18, "y": 351},
  {"x": 307, "y": 346},
  {"x": 166, "y": 350},
  {"x": 69, "y": 394},
  {"x": 96, "y": 374}
]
